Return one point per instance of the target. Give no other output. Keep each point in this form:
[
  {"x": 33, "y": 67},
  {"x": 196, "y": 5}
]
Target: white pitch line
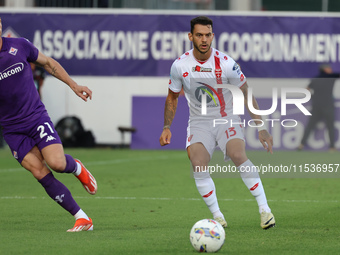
[
  {"x": 174, "y": 199},
  {"x": 11, "y": 170},
  {"x": 118, "y": 161},
  {"x": 105, "y": 162}
]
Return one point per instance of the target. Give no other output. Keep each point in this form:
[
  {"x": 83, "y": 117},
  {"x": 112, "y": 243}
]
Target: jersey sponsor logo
[
  {"x": 185, "y": 74},
  {"x": 50, "y": 138},
  {"x": 13, "y": 51},
  {"x": 169, "y": 81},
  {"x": 13, "y": 69},
  {"x": 210, "y": 91},
  {"x": 205, "y": 90},
  {"x": 242, "y": 77},
  {"x": 201, "y": 69}
]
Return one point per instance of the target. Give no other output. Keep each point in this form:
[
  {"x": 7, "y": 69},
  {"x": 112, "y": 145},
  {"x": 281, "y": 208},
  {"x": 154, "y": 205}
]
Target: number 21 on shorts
[{"x": 41, "y": 128}]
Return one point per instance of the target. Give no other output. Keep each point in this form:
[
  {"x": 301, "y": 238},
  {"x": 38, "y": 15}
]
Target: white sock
[
  {"x": 251, "y": 179},
  {"x": 264, "y": 208},
  {"x": 78, "y": 171},
  {"x": 81, "y": 214},
  {"x": 207, "y": 190},
  {"x": 218, "y": 214}
]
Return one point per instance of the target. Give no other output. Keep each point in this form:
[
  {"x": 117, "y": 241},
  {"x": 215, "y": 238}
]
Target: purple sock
[
  {"x": 59, "y": 193},
  {"x": 71, "y": 165}
]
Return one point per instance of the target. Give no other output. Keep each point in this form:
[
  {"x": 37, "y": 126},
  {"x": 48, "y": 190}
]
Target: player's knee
[
  {"x": 238, "y": 157},
  {"x": 198, "y": 164},
  {"x": 57, "y": 165}
]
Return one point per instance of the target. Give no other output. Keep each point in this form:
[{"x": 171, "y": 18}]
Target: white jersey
[{"x": 199, "y": 78}]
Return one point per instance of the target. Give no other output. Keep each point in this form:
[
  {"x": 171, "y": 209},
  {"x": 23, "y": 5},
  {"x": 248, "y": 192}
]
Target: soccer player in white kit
[{"x": 198, "y": 71}]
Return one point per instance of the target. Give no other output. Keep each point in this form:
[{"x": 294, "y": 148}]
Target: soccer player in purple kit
[{"x": 27, "y": 127}]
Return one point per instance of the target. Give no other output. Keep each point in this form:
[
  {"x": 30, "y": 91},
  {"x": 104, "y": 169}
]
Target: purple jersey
[{"x": 19, "y": 99}]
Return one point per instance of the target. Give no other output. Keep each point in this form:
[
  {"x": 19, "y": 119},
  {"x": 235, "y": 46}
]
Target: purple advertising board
[
  {"x": 93, "y": 43},
  {"x": 147, "y": 118},
  {"x": 144, "y": 44}
]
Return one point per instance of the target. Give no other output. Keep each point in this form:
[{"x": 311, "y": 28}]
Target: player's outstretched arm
[
  {"x": 265, "y": 138},
  {"x": 54, "y": 68},
  {"x": 169, "y": 114}
]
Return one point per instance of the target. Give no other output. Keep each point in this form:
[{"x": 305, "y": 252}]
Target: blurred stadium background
[
  {"x": 146, "y": 201},
  {"x": 233, "y": 5},
  {"x": 123, "y": 50}
]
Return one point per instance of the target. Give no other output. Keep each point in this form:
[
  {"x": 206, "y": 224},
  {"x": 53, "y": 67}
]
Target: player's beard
[{"x": 198, "y": 49}]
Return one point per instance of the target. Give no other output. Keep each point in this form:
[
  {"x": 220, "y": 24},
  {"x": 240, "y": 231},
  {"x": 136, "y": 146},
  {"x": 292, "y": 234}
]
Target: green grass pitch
[{"x": 147, "y": 203}]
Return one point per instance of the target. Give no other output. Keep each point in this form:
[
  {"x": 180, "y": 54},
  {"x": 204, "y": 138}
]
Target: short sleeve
[
  {"x": 234, "y": 73},
  {"x": 31, "y": 51},
  {"x": 175, "y": 82}
]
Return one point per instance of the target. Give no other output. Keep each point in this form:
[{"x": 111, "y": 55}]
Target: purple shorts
[{"x": 22, "y": 138}]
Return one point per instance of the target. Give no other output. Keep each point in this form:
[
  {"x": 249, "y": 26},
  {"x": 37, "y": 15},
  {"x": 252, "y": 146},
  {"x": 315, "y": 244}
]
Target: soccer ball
[{"x": 207, "y": 236}]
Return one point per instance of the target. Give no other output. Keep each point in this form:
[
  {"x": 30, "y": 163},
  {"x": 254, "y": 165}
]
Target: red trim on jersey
[
  {"x": 218, "y": 72},
  {"x": 243, "y": 84},
  {"x": 175, "y": 92},
  {"x": 201, "y": 62}
]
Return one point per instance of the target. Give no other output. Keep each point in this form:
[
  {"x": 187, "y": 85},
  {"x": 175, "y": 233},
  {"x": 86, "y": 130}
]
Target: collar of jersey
[{"x": 202, "y": 62}]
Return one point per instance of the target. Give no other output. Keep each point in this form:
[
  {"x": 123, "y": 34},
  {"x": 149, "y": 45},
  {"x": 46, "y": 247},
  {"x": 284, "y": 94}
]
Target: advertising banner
[
  {"x": 287, "y": 130},
  {"x": 146, "y": 44}
]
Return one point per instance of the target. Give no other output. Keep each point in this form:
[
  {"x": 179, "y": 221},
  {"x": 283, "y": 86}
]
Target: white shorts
[{"x": 212, "y": 134}]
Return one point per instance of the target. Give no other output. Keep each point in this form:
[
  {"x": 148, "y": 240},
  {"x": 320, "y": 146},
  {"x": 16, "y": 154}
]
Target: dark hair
[{"x": 201, "y": 20}]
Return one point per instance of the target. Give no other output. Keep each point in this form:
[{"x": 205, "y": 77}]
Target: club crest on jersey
[
  {"x": 201, "y": 69},
  {"x": 218, "y": 73},
  {"x": 13, "y": 51}
]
